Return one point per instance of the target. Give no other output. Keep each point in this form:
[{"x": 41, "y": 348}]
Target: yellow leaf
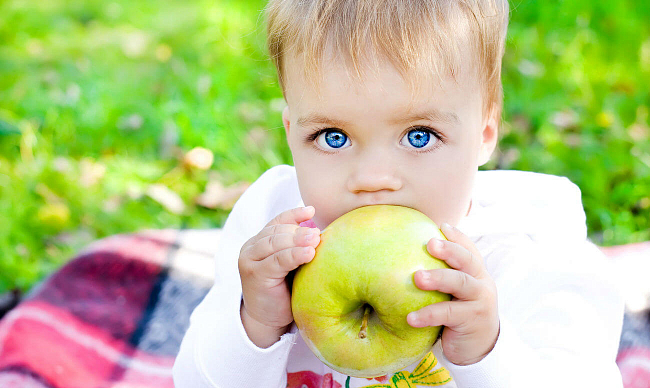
[
  {"x": 604, "y": 119},
  {"x": 54, "y": 214},
  {"x": 163, "y": 52}
]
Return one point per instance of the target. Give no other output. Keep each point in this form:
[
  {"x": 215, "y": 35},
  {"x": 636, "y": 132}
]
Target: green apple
[{"x": 350, "y": 302}]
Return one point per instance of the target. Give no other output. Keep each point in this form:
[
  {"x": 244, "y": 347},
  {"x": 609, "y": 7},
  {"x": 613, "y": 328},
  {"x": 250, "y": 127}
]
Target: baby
[{"x": 399, "y": 102}]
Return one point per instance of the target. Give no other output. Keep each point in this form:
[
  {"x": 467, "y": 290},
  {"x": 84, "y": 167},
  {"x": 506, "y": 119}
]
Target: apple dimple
[{"x": 367, "y": 310}]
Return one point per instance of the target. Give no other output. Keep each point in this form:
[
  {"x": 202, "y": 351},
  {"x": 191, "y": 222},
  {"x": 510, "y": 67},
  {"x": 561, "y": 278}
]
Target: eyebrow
[{"x": 434, "y": 115}]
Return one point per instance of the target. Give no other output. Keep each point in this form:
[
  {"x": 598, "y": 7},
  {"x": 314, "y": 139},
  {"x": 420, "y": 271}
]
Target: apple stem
[{"x": 363, "y": 333}]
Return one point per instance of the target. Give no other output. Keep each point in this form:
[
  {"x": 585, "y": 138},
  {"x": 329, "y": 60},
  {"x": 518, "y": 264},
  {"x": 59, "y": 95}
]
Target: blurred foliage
[{"x": 100, "y": 100}]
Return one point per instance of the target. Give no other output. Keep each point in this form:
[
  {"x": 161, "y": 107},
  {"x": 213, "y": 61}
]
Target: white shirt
[{"x": 560, "y": 311}]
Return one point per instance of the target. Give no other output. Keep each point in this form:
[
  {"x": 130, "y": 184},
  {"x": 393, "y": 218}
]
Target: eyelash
[{"x": 311, "y": 138}]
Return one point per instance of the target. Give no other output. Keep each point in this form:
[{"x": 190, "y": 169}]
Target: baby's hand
[
  {"x": 471, "y": 318},
  {"x": 264, "y": 262}
]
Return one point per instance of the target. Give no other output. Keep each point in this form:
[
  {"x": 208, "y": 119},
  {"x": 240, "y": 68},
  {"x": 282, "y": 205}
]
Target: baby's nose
[{"x": 372, "y": 180}]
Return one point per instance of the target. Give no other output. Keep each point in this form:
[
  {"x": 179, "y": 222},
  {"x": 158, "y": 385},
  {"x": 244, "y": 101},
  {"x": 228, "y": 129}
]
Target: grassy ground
[{"x": 101, "y": 100}]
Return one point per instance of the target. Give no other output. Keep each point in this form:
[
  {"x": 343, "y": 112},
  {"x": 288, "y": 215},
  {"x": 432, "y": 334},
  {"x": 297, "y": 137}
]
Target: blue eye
[
  {"x": 334, "y": 139},
  {"x": 419, "y": 138}
]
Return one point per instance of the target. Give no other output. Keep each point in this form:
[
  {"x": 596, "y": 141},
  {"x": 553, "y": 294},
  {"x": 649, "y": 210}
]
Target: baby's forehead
[
  {"x": 370, "y": 63},
  {"x": 339, "y": 74}
]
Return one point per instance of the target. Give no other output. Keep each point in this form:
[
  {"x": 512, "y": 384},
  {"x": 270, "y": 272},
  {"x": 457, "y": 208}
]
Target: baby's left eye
[{"x": 419, "y": 138}]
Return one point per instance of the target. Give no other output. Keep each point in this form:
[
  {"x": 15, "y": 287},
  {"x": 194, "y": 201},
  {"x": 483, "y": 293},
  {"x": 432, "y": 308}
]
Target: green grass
[{"x": 120, "y": 88}]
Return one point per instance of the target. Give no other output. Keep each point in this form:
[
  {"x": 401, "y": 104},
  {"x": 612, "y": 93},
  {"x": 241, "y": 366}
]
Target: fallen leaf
[
  {"x": 204, "y": 84},
  {"x": 639, "y": 131},
  {"x": 131, "y": 122},
  {"x": 134, "y": 191},
  {"x": 22, "y": 250},
  {"x": 28, "y": 140},
  {"x": 573, "y": 140},
  {"x": 250, "y": 112},
  {"x": 199, "y": 157},
  {"x": 134, "y": 43},
  {"x": 72, "y": 94},
  {"x": 51, "y": 77},
  {"x": 163, "y": 52},
  {"x": 54, "y": 214},
  {"x": 83, "y": 64},
  {"x": 531, "y": 69},
  {"x": 521, "y": 122},
  {"x": 217, "y": 196},
  {"x": 52, "y": 250},
  {"x": 644, "y": 203},
  {"x": 91, "y": 172},
  {"x": 47, "y": 194},
  {"x": 34, "y": 47},
  {"x": 507, "y": 158},
  {"x": 76, "y": 238},
  {"x": 256, "y": 139},
  {"x": 565, "y": 119},
  {"x": 168, "y": 198},
  {"x": 61, "y": 164},
  {"x": 112, "y": 204}
]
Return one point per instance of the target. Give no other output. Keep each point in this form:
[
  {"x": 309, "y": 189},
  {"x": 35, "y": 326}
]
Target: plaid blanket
[{"x": 115, "y": 315}]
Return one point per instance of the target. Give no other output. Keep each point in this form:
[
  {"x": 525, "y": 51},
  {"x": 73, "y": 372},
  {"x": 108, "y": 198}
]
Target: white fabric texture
[{"x": 561, "y": 313}]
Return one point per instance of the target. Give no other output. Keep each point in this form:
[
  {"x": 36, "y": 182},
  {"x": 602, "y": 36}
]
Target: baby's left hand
[{"x": 471, "y": 318}]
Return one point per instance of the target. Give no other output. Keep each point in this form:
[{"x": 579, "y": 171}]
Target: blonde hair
[{"x": 418, "y": 37}]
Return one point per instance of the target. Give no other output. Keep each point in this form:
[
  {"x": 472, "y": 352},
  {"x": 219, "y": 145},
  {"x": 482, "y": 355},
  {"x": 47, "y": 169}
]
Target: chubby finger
[
  {"x": 285, "y": 229},
  {"x": 293, "y": 216},
  {"x": 457, "y": 257},
  {"x": 279, "y": 264},
  {"x": 278, "y": 229},
  {"x": 274, "y": 243},
  {"x": 450, "y": 281},
  {"x": 454, "y": 235},
  {"x": 451, "y": 314}
]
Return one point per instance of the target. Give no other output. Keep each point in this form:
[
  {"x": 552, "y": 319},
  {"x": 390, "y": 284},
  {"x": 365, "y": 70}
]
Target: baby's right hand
[{"x": 264, "y": 262}]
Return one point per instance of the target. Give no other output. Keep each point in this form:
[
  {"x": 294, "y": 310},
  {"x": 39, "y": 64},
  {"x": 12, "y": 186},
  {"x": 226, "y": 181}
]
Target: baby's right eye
[{"x": 332, "y": 138}]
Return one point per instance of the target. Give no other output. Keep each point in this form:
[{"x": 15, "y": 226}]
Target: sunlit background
[{"x": 117, "y": 116}]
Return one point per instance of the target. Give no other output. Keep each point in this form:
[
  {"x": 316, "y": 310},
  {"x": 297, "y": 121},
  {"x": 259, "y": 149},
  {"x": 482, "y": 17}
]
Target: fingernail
[
  {"x": 309, "y": 208},
  {"x": 437, "y": 244},
  {"x": 445, "y": 226},
  {"x": 413, "y": 318},
  {"x": 310, "y": 236},
  {"x": 424, "y": 275}
]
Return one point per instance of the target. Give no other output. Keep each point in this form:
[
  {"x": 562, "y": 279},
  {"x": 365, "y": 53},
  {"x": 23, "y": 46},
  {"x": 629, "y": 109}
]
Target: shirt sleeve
[
  {"x": 216, "y": 351},
  {"x": 561, "y": 317}
]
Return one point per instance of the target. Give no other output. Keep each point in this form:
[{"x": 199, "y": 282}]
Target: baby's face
[{"x": 364, "y": 143}]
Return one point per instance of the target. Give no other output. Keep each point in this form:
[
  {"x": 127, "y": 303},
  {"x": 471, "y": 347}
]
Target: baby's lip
[{"x": 379, "y": 203}]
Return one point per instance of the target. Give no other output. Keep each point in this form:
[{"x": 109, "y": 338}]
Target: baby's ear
[
  {"x": 489, "y": 137},
  {"x": 285, "y": 120}
]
